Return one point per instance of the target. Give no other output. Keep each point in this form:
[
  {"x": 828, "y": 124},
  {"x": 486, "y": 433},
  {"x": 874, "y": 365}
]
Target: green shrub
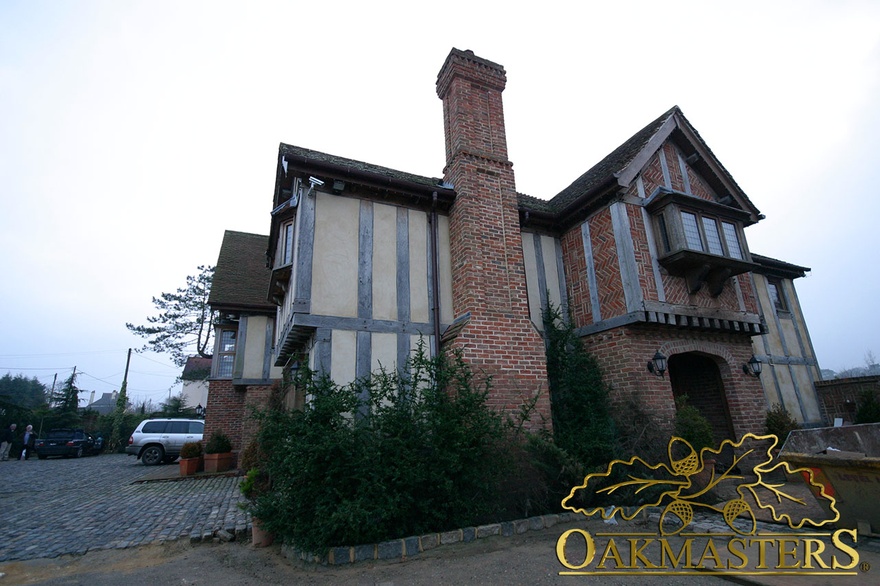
[
  {"x": 399, "y": 454},
  {"x": 191, "y": 450},
  {"x": 692, "y": 426},
  {"x": 867, "y": 408},
  {"x": 780, "y": 422},
  {"x": 254, "y": 459},
  {"x": 542, "y": 475},
  {"x": 218, "y": 443},
  {"x": 582, "y": 422}
]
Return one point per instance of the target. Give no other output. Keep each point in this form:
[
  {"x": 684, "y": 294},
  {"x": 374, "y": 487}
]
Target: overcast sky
[{"x": 133, "y": 133}]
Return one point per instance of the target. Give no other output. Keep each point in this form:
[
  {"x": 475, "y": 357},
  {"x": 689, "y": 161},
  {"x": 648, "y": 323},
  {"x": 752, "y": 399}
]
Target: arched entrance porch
[{"x": 697, "y": 376}]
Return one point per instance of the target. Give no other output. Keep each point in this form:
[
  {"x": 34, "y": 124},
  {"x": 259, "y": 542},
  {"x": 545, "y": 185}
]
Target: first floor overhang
[{"x": 690, "y": 317}]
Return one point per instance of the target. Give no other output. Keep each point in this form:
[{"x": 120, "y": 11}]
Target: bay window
[{"x": 699, "y": 239}]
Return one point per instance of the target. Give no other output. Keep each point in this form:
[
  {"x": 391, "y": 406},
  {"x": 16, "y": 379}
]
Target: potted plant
[
  {"x": 190, "y": 458},
  {"x": 218, "y": 453},
  {"x": 255, "y": 484}
]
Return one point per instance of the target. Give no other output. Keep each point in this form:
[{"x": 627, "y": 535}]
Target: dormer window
[{"x": 700, "y": 240}]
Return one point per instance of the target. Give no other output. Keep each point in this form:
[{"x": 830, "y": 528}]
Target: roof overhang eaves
[
  {"x": 584, "y": 204},
  {"x": 250, "y": 308},
  {"x": 307, "y": 165},
  {"x": 775, "y": 267},
  {"x": 575, "y": 211},
  {"x": 663, "y": 196}
]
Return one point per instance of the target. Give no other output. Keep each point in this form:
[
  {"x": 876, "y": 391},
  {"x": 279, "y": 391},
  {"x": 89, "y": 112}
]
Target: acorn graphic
[
  {"x": 736, "y": 508},
  {"x": 686, "y": 465},
  {"x": 676, "y": 510}
]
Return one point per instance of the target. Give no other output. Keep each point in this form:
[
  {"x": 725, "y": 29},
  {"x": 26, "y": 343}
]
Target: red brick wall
[
  {"x": 623, "y": 354},
  {"x": 229, "y": 410},
  {"x": 611, "y": 299},
  {"x": 840, "y": 397},
  {"x": 575, "y": 266},
  {"x": 488, "y": 272},
  {"x": 642, "y": 250}
]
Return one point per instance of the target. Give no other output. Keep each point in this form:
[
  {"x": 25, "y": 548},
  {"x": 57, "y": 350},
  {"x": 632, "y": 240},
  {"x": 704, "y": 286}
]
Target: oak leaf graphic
[{"x": 684, "y": 482}]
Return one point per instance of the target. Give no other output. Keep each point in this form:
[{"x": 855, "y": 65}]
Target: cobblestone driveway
[{"x": 70, "y": 506}]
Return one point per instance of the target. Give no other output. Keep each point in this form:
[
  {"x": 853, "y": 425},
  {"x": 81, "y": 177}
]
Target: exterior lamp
[
  {"x": 657, "y": 365},
  {"x": 752, "y": 367},
  {"x": 200, "y": 411}
]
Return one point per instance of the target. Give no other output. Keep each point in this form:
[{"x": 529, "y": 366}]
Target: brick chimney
[{"x": 488, "y": 273}]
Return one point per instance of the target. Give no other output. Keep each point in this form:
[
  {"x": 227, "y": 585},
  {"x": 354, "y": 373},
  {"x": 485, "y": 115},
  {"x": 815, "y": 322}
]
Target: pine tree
[{"x": 184, "y": 325}]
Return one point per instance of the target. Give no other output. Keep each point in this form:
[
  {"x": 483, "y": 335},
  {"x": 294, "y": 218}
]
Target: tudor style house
[{"x": 646, "y": 251}]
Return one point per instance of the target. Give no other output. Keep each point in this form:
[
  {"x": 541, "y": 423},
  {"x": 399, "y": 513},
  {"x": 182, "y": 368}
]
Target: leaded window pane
[
  {"x": 225, "y": 366},
  {"x": 288, "y": 244},
  {"x": 776, "y": 295},
  {"x": 691, "y": 231},
  {"x": 713, "y": 238},
  {"x": 664, "y": 233},
  {"x": 227, "y": 341},
  {"x": 732, "y": 240}
]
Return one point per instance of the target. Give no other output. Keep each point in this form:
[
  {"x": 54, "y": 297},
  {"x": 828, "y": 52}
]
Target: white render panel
[
  {"x": 384, "y": 262},
  {"x": 531, "y": 267},
  {"x": 419, "y": 310},
  {"x": 445, "y": 262},
  {"x": 255, "y": 347},
  {"x": 344, "y": 357},
  {"x": 383, "y": 352},
  {"x": 335, "y": 259},
  {"x": 548, "y": 251},
  {"x": 809, "y": 400}
]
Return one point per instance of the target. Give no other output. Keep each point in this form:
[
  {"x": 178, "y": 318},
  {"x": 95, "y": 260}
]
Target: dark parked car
[{"x": 68, "y": 443}]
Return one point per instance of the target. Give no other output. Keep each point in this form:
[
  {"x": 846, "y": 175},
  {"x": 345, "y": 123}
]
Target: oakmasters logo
[{"x": 724, "y": 487}]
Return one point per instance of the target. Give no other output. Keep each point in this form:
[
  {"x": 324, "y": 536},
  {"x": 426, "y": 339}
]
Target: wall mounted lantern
[
  {"x": 200, "y": 411},
  {"x": 657, "y": 365},
  {"x": 752, "y": 367}
]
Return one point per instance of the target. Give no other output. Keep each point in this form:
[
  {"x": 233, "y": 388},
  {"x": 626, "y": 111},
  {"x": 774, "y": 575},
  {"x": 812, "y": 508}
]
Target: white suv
[{"x": 160, "y": 440}]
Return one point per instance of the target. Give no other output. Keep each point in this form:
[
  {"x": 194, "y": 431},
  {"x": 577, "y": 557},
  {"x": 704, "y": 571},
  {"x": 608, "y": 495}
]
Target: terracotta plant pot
[
  {"x": 218, "y": 462},
  {"x": 259, "y": 536},
  {"x": 189, "y": 466}
]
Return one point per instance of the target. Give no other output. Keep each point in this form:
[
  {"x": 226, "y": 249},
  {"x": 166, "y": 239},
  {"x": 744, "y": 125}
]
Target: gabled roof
[
  {"x": 609, "y": 168},
  {"x": 106, "y": 399},
  {"x": 241, "y": 278},
  {"x": 623, "y": 164},
  {"x": 196, "y": 368}
]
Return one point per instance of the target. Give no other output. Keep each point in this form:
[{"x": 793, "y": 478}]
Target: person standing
[
  {"x": 30, "y": 438},
  {"x": 6, "y": 444}
]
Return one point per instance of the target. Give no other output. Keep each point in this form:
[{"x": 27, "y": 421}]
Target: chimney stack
[{"x": 488, "y": 272}]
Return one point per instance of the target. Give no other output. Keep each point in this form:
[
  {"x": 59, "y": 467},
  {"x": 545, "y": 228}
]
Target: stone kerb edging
[{"x": 401, "y": 549}]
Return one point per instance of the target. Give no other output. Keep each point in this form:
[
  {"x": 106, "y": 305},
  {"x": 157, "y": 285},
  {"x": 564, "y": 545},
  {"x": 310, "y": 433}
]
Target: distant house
[
  {"x": 646, "y": 251},
  {"x": 105, "y": 405},
  {"x": 195, "y": 376}
]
